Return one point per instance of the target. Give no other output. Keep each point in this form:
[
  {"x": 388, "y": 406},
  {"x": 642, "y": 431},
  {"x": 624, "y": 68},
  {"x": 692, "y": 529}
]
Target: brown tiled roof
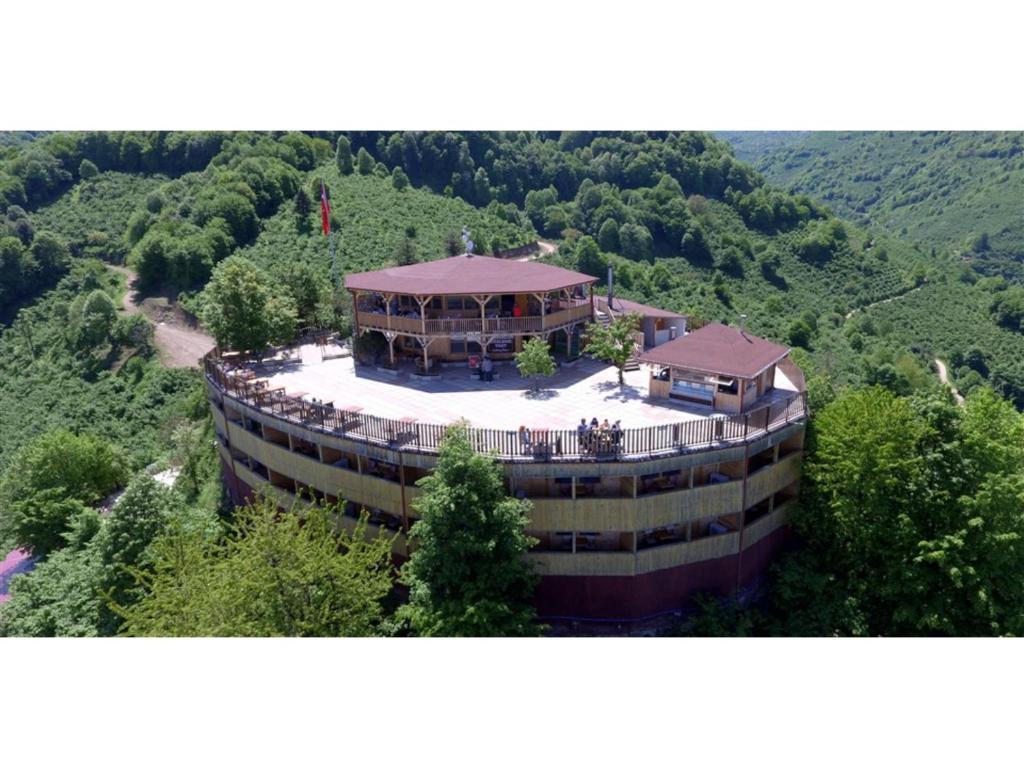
[
  {"x": 625, "y": 306},
  {"x": 467, "y": 275},
  {"x": 718, "y": 349}
]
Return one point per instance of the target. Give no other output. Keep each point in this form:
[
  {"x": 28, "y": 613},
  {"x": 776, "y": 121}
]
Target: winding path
[
  {"x": 944, "y": 378},
  {"x": 866, "y": 307},
  {"x": 179, "y": 345}
]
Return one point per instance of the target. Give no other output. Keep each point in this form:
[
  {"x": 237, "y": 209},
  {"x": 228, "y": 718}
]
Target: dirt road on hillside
[
  {"x": 866, "y": 307},
  {"x": 179, "y": 345},
  {"x": 944, "y": 378}
]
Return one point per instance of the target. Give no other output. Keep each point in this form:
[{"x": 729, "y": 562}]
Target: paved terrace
[{"x": 586, "y": 389}]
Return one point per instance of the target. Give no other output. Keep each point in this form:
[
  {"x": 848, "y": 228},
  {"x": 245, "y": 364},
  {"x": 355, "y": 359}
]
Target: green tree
[
  {"x": 608, "y": 236},
  {"x": 636, "y": 240},
  {"x": 274, "y": 575},
  {"x": 51, "y": 254},
  {"x": 452, "y": 244},
  {"x": 615, "y": 343},
  {"x": 87, "y": 169},
  {"x": 49, "y": 481},
  {"x": 343, "y": 155},
  {"x": 300, "y": 282},
  {"x": 912, "y": 510},
  {"x": 139, "y": 516},
  {"x": 398, "y": 179},
  {"x": 91, "y": 319},
  {"x": 468, "y": 575},
  {"x": 589, "y": 258},
  {"x": 405, "y": 253},
  {"x": 242, "y": 309},
  {"x": 365, "y": 162},
  {"x": 60, "y": 598},
  {"x": 799, "y": 334},
  {"x": 535, "y": 361},
  {"x": 303, "y": 207}
]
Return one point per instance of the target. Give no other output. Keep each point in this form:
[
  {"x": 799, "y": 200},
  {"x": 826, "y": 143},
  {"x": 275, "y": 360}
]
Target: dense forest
[{"x": 685, "y": 224}]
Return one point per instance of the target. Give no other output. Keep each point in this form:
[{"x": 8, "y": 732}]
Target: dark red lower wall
[
  {"x": 626, "y": 598},
  {"x": 629, "y": 598},
  {"x": 238, "y": 492}
]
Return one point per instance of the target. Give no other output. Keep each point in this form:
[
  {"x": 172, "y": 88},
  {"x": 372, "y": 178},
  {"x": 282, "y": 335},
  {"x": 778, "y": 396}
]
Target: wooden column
[
  {"x": 423, "y": 301},
  {"x": 482, "y": 301},
  {"x": 355, "y": 317},
  {"x": 425, "y": 342}
]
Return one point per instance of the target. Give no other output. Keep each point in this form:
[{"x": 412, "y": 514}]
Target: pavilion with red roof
[
  {"x": 717, "y": 365},
  {"x": 465, "y": 306}
]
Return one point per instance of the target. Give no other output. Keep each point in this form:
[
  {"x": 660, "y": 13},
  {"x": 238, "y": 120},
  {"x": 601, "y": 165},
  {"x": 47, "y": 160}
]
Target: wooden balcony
[{"x": 461, "y": 326}]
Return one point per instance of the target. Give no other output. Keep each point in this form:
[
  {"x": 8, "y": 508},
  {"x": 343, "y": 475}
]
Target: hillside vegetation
[
  {"x": 962, "y": 192},
  {"x": 371, "y": 220},
  {"x": 207, "y": 215}
]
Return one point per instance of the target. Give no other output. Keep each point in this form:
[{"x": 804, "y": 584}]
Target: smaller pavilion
[{"x": 719, "y": 366}]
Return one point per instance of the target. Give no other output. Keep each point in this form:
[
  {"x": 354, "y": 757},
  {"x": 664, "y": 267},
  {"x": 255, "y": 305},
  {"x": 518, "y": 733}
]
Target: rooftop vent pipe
[{"x": 743, "y": 323}]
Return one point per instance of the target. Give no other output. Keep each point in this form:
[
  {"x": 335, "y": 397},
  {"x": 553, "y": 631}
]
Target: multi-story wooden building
[
  {"x": 681, "y": 496},
  {"x": 453, "y": 309}
]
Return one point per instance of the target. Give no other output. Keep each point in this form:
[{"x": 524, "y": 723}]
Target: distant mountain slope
[
  {"x": 961, "y": 192},
  {"x": 751, "y": 146}
]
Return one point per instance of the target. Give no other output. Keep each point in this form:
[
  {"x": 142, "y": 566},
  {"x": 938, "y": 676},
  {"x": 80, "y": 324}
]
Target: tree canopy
[
  {"x": 614, "y": 342},
  {"x": 535, "y": 361},
  {"x": 913, "y": 510},
  {"x": 244, "y": 310},
  {"x": 292, "y": 574},
  {"x": 51, "y": 481},
  {"x": 468, "y": 575}
]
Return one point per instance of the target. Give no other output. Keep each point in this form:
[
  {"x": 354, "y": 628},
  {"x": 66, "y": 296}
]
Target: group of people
[
  {"x": 594, "y": 437},
  {"x": 597, "y": 436}
]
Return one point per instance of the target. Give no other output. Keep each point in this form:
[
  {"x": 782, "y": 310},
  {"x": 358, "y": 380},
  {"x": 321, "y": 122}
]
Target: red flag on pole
[{"x": 325, "y": 209}]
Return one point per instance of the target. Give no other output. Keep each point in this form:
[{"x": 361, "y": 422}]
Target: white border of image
[{"x": 539, "y": 65}]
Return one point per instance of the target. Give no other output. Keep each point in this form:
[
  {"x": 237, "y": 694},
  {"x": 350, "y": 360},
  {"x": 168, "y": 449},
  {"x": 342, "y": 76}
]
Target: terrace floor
[{"x": 586, "y": 389}]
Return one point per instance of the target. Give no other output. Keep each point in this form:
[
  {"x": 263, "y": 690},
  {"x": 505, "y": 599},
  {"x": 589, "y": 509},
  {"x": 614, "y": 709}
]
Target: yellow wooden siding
[
  {"x": 219, "y": 422},
  {"x": 684, "y": 553},
  {"x": 287, "y": 500},
  {"x": 629, "y": 514},
  {"x": 685, "y": 505},
  {"x": 767, "y": 481},
  {"x": 224, "y": 453},
  {"x": 766, "y": 525},
  {"x": 345, "y": 483}
]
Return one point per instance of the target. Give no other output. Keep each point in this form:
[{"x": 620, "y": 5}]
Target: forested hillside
[
  {"x": 957, "y": 195},
  {"x": 684, "y": 223},
  {"x": 961, "y": 192}
]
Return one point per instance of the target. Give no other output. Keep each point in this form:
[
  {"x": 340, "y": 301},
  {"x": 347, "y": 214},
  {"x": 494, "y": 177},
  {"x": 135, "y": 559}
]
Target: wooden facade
[{"x": 688, "y": 496}]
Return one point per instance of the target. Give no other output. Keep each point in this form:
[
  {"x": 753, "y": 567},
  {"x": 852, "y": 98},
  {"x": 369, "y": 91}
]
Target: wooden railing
[
  {"x": 549, "y": 445},
  {"x": 457, "y": 326},
  {"x": 577, "y": 312}
]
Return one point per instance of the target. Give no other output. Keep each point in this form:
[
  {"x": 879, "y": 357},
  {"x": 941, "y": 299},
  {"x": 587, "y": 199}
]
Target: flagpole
[{"x": 334, "y": 260}]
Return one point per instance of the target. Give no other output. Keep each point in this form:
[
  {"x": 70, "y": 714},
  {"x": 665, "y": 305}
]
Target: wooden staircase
[{"x": 633, "y": 364}]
